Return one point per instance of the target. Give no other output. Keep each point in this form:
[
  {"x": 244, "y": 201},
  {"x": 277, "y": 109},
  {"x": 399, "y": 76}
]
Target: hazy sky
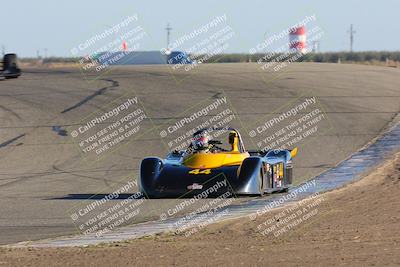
[{"x": 59, "y": 26}]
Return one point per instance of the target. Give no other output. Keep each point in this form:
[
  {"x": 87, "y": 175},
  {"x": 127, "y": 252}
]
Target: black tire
[
  {"x": 289, "y": 176},
  {"x": 284, "y": 190}
]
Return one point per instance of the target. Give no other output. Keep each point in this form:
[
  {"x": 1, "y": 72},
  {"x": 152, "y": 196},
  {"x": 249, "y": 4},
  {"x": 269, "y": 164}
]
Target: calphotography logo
[
  {"x": 215, "y": 115},
  {"x": 114, "y": 45},
  {"x": 298, "y": 122},
  {"x": 291, "y": 44},
  {"x": 205, "y": 43},
  {"x": 291, "y": 217},
  {"x": 107, "y": 212},
  {"x": 104, "y": 131}
]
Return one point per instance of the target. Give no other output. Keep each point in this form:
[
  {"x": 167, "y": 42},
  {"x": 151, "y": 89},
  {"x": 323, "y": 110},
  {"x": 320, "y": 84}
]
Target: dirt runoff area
[{"x": 358, "y": 225}]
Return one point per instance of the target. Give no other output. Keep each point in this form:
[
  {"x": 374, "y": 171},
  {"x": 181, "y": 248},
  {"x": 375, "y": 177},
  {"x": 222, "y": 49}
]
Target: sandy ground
[{"x": 357, "y": 225}]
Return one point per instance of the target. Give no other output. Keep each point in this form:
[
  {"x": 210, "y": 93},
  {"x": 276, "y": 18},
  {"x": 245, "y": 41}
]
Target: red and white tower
[{"x": 297, "y": 40}]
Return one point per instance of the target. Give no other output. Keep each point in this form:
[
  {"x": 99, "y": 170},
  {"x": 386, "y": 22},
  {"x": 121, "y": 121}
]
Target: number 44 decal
[{"x": 199, "y": 171}]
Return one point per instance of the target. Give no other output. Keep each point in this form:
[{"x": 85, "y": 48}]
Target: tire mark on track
[
  {"x": 10, "y": 111},
  {"x": 6, "y": 143},
  {"x": 55, "y": 172},
  {"x": 72, "y": 173},
  {"x": 114, "y": 84}
]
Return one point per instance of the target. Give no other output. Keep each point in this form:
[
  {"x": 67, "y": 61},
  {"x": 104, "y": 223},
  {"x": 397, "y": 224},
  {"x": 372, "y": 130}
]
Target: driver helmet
[{"x": 200, "y": 140}]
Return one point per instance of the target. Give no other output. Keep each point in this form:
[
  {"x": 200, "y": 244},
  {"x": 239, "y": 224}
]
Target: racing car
[
  {"x": 9, "y": 67},
  {"x": 210, "y": 167}
]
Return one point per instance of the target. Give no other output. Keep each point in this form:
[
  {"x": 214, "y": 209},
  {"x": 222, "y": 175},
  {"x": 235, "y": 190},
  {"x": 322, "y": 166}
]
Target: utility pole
[
  {"x": 352, "y": 32},
  {"x": 265, "y": 39},
  {"x": 3, "y": 50},
  {"x": 45, "y": 53},
  {"x": 168, "y": 29},
  {"x": 315, "y": 46}
]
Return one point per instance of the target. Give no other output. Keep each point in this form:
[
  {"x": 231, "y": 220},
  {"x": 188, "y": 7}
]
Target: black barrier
[{"x": 10, "y": 67}]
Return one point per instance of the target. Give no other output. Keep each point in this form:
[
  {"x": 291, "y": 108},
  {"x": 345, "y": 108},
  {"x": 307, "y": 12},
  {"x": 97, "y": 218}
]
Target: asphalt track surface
[{"x": 43, "y": 175}]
